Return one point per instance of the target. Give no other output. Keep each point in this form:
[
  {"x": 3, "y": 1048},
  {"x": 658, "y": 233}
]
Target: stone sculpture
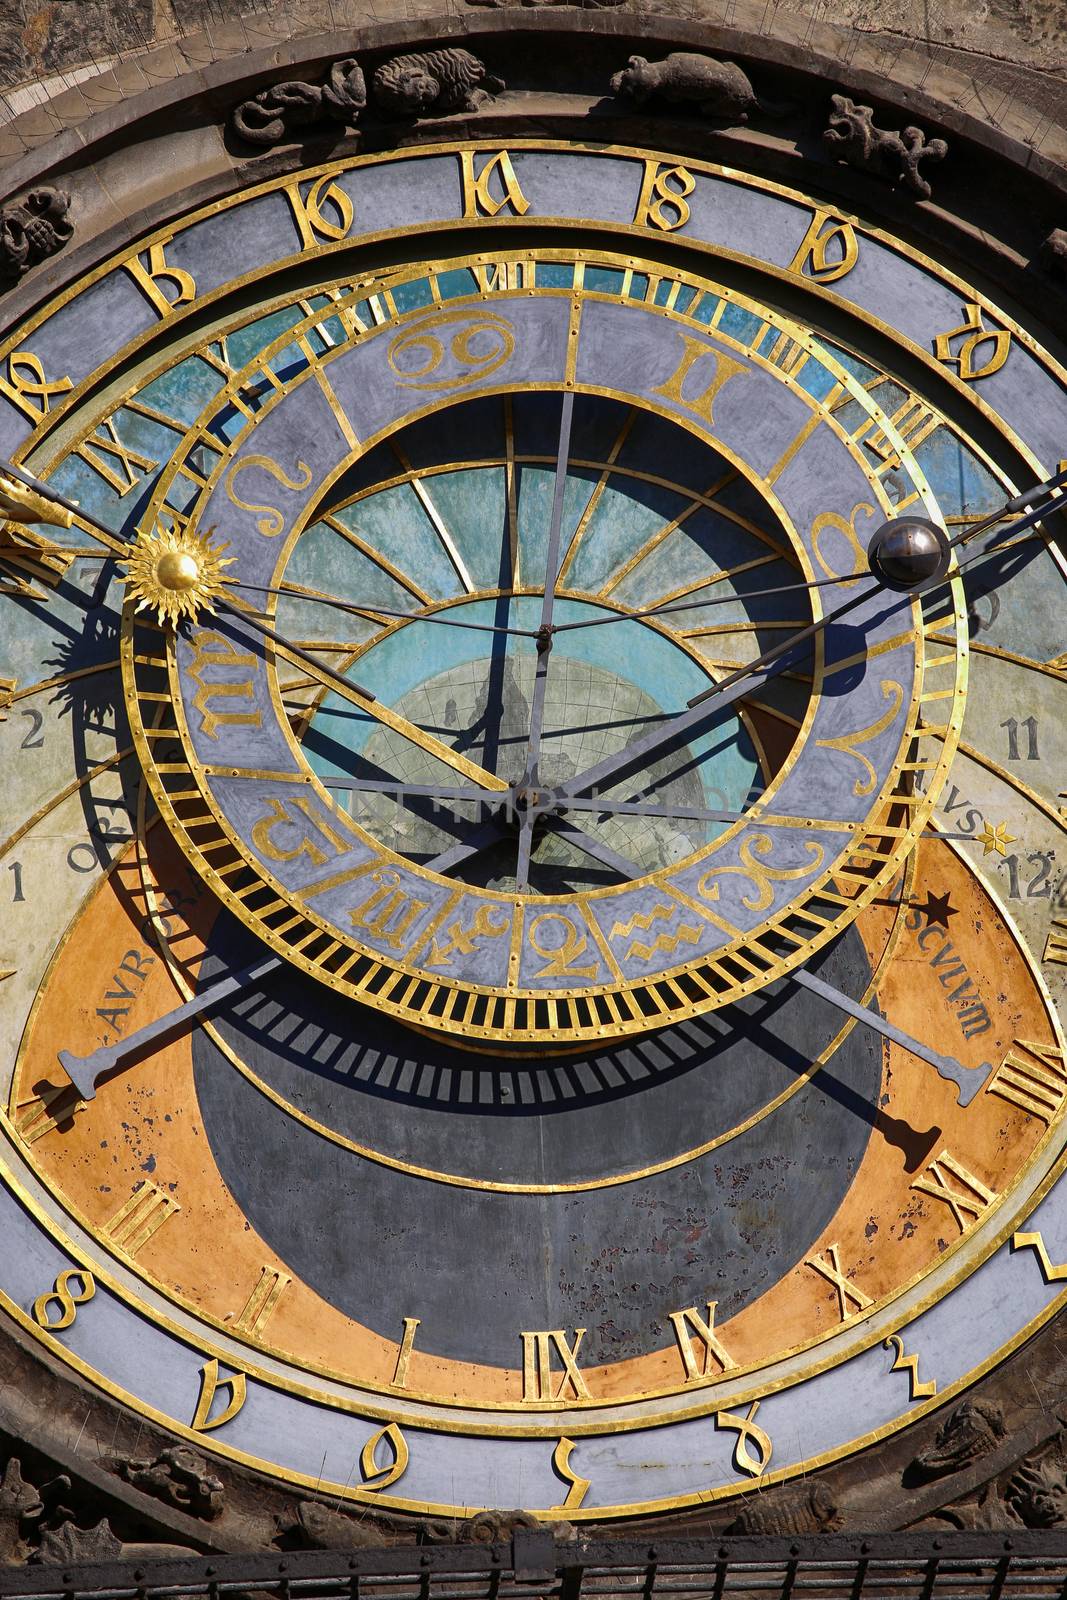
[{"x": 853, "y": 138}]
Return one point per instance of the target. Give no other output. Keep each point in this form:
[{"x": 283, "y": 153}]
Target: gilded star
[
  {"x": 995, "y": 837},
  {"x": 937, "y": 910}
]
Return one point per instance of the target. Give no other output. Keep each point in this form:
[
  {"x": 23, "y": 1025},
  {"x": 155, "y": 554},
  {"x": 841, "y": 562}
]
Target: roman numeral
[
  {"x": 828, "y": 1265},
  {"x": 690, "y": 1318},
  {"x": 1036, "y": 1086},
  {"x": 261, "y": 1303},
  {"x": 949, "y": 1181},
  {"x": 143, "y": 1214},
  {"x": 537, "y": 1373}
]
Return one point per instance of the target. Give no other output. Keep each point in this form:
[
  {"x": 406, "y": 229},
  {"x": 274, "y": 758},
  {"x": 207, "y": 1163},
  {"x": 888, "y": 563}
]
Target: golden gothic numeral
[
  {"x": 210, "y": 1384},
  {"x": 325, "y": 212},
  {"x": 373, "y": 1473},
  {"x": 910, "y": 1364},
  {"x": 828, "y": 250},
  {"x": 478, "y": 197},
  {"x": 969, "y": 363},
  {"x": 153, "y": 271},
  {"x": 65, "y": 1298},
  {"x": 1051, "y": 1271},
  {"x": 747, "y": 1429},
  {"x": 663, "y": 202},
  {"x": 28, "y": 387},
  {"x": 578, "y": 1487}
]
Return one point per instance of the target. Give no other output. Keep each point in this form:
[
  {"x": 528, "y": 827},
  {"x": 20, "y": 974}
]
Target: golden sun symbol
[{"x": 176, "y": 572}]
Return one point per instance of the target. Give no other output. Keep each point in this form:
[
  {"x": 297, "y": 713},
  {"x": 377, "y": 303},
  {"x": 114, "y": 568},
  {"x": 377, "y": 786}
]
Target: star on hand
[{"x": 995, "y": 837}]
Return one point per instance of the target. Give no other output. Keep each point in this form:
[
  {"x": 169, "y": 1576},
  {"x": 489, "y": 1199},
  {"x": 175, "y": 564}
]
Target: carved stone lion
[{"x": 433, "y": 80}]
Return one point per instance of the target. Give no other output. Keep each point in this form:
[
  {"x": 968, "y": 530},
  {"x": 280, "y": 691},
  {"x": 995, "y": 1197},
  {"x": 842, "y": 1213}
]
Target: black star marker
[{"x": 937, "y": 909}]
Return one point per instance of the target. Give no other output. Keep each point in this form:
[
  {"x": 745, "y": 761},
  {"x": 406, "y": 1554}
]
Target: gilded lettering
[
  {"x": 828, "y": 249},
  {"x": 325, "y": 212},
  {"x": 28, "y": 387},
  {"x": 949, "y": 1181},
  {"x": 689, "y": 1322},
  {"x": 478, "y": 198},
  {"x": 975, "y": 334},
  {"x": 214, "y": 650},
  {"x": 210, "y": 1384},
  {"x": 153, "y": 271},
  {"x": 663, "y": 202},
  {"x": 537, "y": 1371}
]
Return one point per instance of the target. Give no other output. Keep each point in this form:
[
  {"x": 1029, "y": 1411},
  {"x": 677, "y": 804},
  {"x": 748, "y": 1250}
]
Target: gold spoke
[
  {"x": 657, "y": 538},
  {"x": 594, "y": 498},
  {"x": 394, "y": 572}
]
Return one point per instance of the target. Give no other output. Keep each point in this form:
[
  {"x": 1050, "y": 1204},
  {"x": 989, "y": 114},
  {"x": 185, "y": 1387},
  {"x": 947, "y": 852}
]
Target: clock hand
[
  {"x": 968, "y": 1081},
  {"x": 335, "y": 603},
  {"x": 366, "y": 701},
  {"x": 528, "y": 780},
  {"x": 85, "y": 1072},
  {"x": 780, "y": 656}
]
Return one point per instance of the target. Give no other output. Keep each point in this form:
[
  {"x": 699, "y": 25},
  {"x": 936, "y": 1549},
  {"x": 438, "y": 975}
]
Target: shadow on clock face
[{"x": 698, "y": 1163}]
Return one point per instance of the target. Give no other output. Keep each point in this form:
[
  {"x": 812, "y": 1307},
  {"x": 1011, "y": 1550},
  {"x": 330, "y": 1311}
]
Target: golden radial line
[
  {"x": 709, "y": 583},
  {"x": 337, "y": 526},
  {"x": 982, "y": 760},
  {"x": 736, "y": 517},
  {"x": 63, "y": 677},
  {"x": 654, "y": 540},
  {"x": 63, "y": 794},
  {"x": 436, "y": 519},
  {"x": 1049, "y": 668},
  {"x": 510, "y": 496},
  {"x": 392, "y": 719},
  {"x": 735, "y": 627},
  {"x": 594, "y": 499}
]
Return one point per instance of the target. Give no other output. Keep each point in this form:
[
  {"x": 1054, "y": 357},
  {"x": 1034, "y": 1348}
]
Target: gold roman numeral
[
  {"x": 263, "y": 1300},
  {"x": 537, "y": 1373},
  {"x": 949, "y": 1181},
  {"x": 143, "y": 1214},
  {"x": 1036, "y": 1082},
  {"x": 689, "y": 1322},
  {"x": 828, "y": 1265}
]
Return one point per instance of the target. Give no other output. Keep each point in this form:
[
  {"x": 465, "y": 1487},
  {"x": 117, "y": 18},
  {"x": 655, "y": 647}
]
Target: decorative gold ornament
[
  {"x": 996, "y": 837},
  {"x": 176, "y": 572}
]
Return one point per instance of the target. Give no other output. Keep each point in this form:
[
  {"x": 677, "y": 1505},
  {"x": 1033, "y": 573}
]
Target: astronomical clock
[{"x": 532, "y": 916}]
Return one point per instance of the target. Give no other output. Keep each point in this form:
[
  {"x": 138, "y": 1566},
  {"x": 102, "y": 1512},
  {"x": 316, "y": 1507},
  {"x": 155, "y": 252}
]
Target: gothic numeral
[
  {"x": 662, "y": 202},
  {"x": 152, "y": 272},
  {"x": 478, "y": 197}
]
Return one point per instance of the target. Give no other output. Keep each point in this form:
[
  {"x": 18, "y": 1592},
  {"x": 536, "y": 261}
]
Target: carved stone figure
[
  {"x": 317, "y": 1527},
  {"x": 68, "y": 1544},
  {"x": 32, "y": 229},
  {"x": 181, "y": 1478},
  {"x": 718, "y": 89},
  {"x": 1038, "y": 1494},
  {"x": 286, "y": 109},
  {"x": 853, "y": 138},
  {"x": 971, "y": 1431},
  {"x": 21, "y": 1507},
  {"x": 433, "y": 80},
  {"x": 1053, "y": 254},
  {"x": 811, "y": 1510},
  {"x": 494, "y": 1527}
]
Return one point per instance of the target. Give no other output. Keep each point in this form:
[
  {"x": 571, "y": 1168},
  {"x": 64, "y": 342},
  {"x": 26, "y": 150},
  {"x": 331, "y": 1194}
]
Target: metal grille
[{"x": 534, "y": 1566}]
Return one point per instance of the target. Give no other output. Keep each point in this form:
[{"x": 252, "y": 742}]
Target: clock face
[{"x": 533, "y": 973}]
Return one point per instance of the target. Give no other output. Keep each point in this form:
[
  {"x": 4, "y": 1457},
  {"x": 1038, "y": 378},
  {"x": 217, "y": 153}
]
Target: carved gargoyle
[
  {"x": 852, "y": 137},
  {"x": 32, "y": 229},
  {"x": 181, "y": 1478},
  {"x": 974, "y": 1429},
  {"x": 21, "y": 1509},
  {"x": 437, "y": 81},
  {"x": 717, "y": 89},
  {"x": 811, "y": 1510},
  {"x": 286, "y": 110}
]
